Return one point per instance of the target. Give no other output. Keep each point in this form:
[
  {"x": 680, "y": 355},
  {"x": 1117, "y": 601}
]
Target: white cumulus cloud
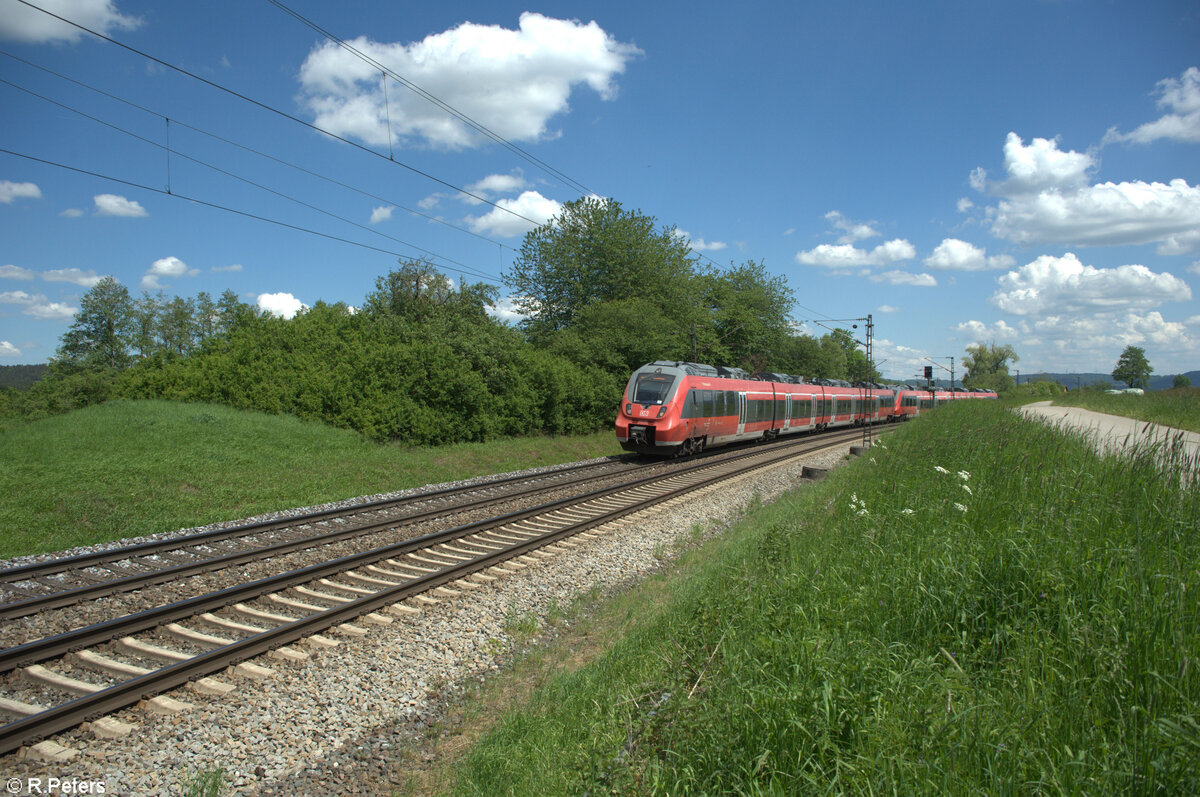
[
  {"x": 19, "y": 22},
  {"x": 75, "y": 276},
  {"x": 848, "y": 255},
  {"x": 1047, "y": 199},
  {"x": 510, "y": 81},
  {"x": 381, "y": 213},
  {"x": 852, "y": 231},
  {"x": 905, "y": 278},
  {"x": 954, "y": 254},
  {"x": 283, "y": 305},
  {"x": 11, "y": 272},
  {"x": 699, "y": 244},
  {"x": 1064, "y": 285},
  {"x": 10, "y": 191},
  {"x": 500, "y": 220},
  {"x": 1182, "y": 97},
  {"x": 170, "y": 266},
  {"x": 979, "y": 331},
  {"x": 8, "y": 350},
  {"x": 113, "y": 205},
  {"x": 38, "y": 306}
]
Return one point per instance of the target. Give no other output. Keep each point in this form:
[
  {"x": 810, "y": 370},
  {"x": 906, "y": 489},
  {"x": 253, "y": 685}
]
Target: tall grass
[
  {"x": 1178, "y": 408},
  {"x": 983, "y": 606},
  {"x": 128, "y": 468}
]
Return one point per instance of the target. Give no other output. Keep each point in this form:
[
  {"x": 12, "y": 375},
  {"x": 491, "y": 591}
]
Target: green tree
[
  {"x": 748, "y": 314},
  {"x": 177, "y": 327},
  {"x": 987, "y": 366},
  {"x": 596, "y": 251},
  {"x": 1181, "y": 380},
  {"x": 1133, "y": 368},
  {"x": 103, "y": 329},
  {"x": 417, "y": 292},
  {"x": 145, "y": 324}
]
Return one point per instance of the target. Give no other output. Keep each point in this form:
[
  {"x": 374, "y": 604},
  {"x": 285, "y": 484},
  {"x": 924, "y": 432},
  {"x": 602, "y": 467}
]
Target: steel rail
[
  {"x": 68, "y": 597},
  {"x": 51, "y": 566},
  {"x": 96, "y": 633},
  {"x": 67, "y": 715}
]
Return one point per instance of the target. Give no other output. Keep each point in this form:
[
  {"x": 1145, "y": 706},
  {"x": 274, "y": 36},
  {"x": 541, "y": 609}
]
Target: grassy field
[
  {"x": 1178, "y": 408},
  {"x": 981, "y": 607},
  {"x": 128, "y": 468}
]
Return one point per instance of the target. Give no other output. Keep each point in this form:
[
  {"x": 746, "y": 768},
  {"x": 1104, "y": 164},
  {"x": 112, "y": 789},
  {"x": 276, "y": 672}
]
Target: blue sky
[{"x": 1019, "y": 172}]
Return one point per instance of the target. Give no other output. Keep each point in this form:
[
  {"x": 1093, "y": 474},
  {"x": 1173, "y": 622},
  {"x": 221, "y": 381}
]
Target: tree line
[{"x": 601, "y": 289}]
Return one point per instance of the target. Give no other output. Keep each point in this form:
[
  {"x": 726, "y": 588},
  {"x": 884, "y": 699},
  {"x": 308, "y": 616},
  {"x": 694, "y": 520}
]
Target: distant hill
[
  {"x": 1070, "y": 381},
  {"x": 21, "y": 377}
]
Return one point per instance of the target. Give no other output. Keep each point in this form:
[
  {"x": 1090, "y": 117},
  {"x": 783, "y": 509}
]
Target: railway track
[
  {"x": 55, "y": 583},
  {"x": 90, "y": 672}
]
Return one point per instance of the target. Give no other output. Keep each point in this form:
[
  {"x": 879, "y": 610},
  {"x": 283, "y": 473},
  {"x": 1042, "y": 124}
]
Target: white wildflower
[
  {"x": 964, "y": 475},
  {"x": 862, "y": 512},
  {"x": 940, "y": 469},
  {"x": 907, "y": 512},
  {"x": 960, "y": 507},
  {"x": 968, "y": 489}
]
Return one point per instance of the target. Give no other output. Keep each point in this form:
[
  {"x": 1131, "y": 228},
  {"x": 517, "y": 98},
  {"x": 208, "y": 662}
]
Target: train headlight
[
  {"x": 662, "y": 411},
  {"x": 629, "y": 409}
]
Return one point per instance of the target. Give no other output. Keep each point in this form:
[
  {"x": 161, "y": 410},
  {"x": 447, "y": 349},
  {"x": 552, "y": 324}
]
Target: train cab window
[{"x": 652, "y": 388}]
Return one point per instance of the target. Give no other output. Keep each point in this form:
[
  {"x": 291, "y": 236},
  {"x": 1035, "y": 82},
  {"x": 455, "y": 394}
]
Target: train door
[{"x": 741, "y": 406}]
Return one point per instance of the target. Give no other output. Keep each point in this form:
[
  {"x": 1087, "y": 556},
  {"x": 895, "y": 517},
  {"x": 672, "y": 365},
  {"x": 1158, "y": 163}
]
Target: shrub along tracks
[{"x": 267, "y": 615}]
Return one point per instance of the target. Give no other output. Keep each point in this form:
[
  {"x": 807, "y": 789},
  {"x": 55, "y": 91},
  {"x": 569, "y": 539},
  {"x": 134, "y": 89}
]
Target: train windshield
[{"x": 652, "y": 388}]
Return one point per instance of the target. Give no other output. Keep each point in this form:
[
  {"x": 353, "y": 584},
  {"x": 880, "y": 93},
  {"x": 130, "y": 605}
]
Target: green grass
[
  {"x": 128, "y": 468},
  {"x": 1178, "y": 408},
  {"x": 868, "y": 635}
]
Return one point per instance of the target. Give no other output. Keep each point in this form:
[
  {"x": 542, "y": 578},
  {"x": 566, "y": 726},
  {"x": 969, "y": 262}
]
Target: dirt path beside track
[{"x": 1116, "y": 433}]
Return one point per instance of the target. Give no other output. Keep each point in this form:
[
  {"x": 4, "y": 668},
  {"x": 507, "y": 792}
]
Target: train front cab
[{"x": 647, "y": 421}]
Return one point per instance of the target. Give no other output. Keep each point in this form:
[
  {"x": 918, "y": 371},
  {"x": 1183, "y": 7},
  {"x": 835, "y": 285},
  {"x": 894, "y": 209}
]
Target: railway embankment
[{"x": 982, "y": 605}]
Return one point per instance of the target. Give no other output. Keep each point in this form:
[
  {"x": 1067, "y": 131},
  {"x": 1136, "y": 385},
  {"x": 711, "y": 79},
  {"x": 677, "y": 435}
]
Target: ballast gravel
[{"x": 332, "y": 725}]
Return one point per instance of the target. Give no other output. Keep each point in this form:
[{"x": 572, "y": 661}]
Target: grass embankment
[
  {"x": 981, "y": 607},
  {"x": 1178, "y": 408},
  {"x": 128, "y": 468}
]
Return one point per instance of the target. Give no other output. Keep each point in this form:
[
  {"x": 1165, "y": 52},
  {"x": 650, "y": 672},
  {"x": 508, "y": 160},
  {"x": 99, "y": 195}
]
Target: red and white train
[{"x": 674, "y": 408}]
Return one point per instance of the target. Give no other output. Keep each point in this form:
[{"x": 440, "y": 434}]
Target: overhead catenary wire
[
  {"x": 245, "y": 180},
  {"x": 277, "y": 111},
  {"x": 179, "y": 123},
  {"x": 214, "y": 205}
]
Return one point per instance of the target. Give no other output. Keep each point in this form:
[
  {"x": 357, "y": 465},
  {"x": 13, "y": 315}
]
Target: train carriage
[{"x": 672, "y": 407}]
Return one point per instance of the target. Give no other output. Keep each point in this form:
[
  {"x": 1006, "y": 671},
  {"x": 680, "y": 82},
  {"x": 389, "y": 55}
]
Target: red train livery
[{"x": 674, "y": 408}]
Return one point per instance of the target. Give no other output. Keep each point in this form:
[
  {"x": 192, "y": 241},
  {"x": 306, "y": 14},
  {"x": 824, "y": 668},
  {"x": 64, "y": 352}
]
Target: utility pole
[{"x": 869, "y": 345}]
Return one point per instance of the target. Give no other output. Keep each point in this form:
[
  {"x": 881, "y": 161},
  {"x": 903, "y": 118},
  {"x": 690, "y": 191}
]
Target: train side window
[
  {"x": 689, "y": 405},
  {"x": 719, "y": 403}
]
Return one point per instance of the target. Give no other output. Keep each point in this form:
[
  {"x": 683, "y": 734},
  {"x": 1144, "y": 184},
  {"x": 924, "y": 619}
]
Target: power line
[
  {"x": 249, "y": 149},
  {"x": 560, "y": 176},
  {"x": 202, "y": 202},
  {"x": 245, "y": 180},
  {"x": 276, "y": 111}
]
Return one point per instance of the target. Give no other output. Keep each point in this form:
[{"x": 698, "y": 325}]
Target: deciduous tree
[
  {"x": 987, "y": 366},
  {"x": 103, "y": 329},
  {"x": 1133, "y": 368}
]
